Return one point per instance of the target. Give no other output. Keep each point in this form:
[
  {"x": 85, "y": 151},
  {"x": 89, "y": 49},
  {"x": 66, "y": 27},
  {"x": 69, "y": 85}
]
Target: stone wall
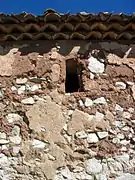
[{"x": 49, "y": 133}]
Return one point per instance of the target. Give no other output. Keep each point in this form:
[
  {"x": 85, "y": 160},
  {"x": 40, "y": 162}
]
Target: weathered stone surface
[
  {"x": 93, "y": 166},
  {"x": 46, "y": 114},
  {"x": 95, "y": 66},
  {"x": 79, "y": 118},
  {"x": 133, "y": 91},
  {"x": 6, "y": 62},
  {"x": 21, "y": 65},
  {"x": 29, "y": 101},
  {"x": 126, "y": 176},
  {"x": 92, "y": 138},
  {"x": 88, "y": 102},
  {"x": 21, "y": 80},
  {"x": 13, "y": 117},
  {"x": 102, "y": 135},
  {"x": 100, "y": 100},
  {"x": 55, "y": 72},
  {"x": 120, "y": 85}
]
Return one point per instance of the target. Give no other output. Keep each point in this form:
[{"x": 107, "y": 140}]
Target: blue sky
[{"x": 63, "y": 6}]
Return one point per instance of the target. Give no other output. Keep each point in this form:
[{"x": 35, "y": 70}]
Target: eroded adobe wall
[{"x": 47, "y": 133}]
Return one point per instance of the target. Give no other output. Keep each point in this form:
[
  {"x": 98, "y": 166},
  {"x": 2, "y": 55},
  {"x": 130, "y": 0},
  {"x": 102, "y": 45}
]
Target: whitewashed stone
[
  {"x": 15, "y": 139},
  {"x": 16, "y": 149},
  {"x": 81, "y": 103},
  {"x": 13, "y": 117},
  {"x": 100, "y": 100},
  {"x": 124, "y": 158},
  {"x": 92, "y": 138},
  {"x": 95, "y": 66},
  {"x": 81, "y": 135},
  {"x": 131, "y": 110},
  {"x": 120, "y": 136},
  {"x": 120, "y": 85},
  {"x": 88, "y": 102},
  {"x": 102, "y": 135},
  {"x": 35, "y": 87},
  {"x": 3, "y": 141},
  {"x": 13, "y": 88},
  {"x": 126, "y": 176},
  {"x": 38, "y": 144},
  {"x": 126, "y": 115},
  {"x": 116, "y": 140},
  {"x": 21, "y": 80},
  {"x": 16, "y": 130},
  {"x": 3, "y": 135},
  {"x": 28, "y": 101},
  {"x": 5, "y": 147},
  {"x": 93, "y": 166},
  {"x": 70, "y": 112},
  {"x": 101, "y": 176},
  {"x": 21, "y": 90},
  {"x": 118, "y": 108},
  {"x": 91, "y": 75},
  {"x": 99, "y": 116},
  {"x": 124, "y": 142}
]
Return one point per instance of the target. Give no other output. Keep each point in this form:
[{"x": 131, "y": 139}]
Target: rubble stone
[
  {"x": 93, "y": 166},
  {"x": 92, "y": 138},
  {"x": 95, "y": 66}
]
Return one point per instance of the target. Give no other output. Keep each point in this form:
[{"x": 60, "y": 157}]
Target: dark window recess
[{"x": 73, "y": 77}]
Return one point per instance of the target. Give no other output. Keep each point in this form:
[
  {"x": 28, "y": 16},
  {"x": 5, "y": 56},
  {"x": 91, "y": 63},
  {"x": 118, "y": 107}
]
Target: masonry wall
[{"x": 49, "y": 133}]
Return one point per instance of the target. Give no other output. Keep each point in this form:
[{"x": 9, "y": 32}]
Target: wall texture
[{"x": 48, "y": 133}]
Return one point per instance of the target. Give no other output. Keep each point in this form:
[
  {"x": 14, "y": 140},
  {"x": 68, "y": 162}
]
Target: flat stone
[
  {"x": 124, "y": 158},
  {"x": 28, "y": 101},
  {"x": 78, "y": 121},
  {"x": 126, "y": 176},
  {"x": 47, "y": 114},
  {"x": 92, "y": 138},
  {"x": 118, "y": 108},
  {"x": 102, "y": 135},
  {"x": 13, "y": 117},
  {"x": 88, "y": 102},
  {"x": 3, "y": 141},
  {"x": 99, "y": 116},
  {"x": 21, "y": 80},
  {"x": 81, "y": 135},
  {"x": 93, "y": 166},
  {"x": 38, "y": 144},
  {"x": 35, "y": 87},
  {"x": 124, "y": 142},
  {"x": 120, "y": 85},
  {"x": 95, "y": 66},
  {"x": 100, "y": 100}
]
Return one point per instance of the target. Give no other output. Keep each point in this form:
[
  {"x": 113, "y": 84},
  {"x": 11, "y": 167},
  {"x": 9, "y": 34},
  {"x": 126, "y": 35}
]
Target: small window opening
[{"x": 73, "y": 77}]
